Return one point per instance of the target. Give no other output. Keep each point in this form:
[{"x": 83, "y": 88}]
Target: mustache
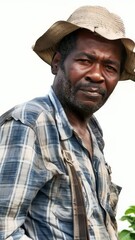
[{"x": 90, "y": 85}]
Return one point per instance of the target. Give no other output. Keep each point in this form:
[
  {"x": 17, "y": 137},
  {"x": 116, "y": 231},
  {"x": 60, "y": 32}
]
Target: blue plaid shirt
[{"x": 35, "y": 195}]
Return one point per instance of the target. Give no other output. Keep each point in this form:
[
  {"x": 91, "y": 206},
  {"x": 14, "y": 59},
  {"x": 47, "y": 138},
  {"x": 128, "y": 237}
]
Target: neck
[{"x": 78, "y": 121}]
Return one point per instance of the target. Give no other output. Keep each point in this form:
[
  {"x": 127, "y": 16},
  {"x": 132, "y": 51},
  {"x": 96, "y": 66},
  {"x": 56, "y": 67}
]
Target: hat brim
[{"x": 45, "y": 46}]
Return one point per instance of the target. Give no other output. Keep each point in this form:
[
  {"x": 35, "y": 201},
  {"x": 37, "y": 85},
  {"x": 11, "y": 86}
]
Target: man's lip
[{"x": 92, "y": 90}]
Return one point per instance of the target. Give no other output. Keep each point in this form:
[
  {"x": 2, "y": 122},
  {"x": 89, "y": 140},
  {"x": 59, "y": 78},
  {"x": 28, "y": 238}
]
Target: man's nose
[{"x": 95, "y": 74}]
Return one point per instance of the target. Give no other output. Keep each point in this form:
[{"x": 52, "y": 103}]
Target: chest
[{"x": 86, "y": 140}]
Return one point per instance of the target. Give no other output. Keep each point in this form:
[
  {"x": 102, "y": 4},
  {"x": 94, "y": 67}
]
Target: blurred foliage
[{"x": 129, "y": 216}]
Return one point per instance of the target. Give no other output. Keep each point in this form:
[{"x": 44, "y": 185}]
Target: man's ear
[{"x": 55, "y": 63}]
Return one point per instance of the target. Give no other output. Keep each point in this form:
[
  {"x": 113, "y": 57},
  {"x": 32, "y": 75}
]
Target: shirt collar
[{"x": 64, "y": 127}]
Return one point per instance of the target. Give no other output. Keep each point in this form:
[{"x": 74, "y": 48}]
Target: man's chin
[
  {"x": 91, "y": 106},
  {"x": 86, "y": 109}
]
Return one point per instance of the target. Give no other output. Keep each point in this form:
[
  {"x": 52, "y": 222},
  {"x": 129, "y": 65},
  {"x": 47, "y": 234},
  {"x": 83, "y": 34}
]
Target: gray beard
[
  {"x": 67, "y": 98},
  {"x": 77, "y": 106}
]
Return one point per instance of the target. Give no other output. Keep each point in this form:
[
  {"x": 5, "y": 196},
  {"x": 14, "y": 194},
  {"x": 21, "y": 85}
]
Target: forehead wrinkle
[{"x": 106, "y": 59}]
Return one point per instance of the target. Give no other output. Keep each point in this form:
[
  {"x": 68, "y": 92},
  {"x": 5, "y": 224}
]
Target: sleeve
[{"x": 19, "y": 173}]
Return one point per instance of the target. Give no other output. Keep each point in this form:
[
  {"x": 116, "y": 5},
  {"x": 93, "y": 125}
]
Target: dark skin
[{"x": 86, "y": 80}]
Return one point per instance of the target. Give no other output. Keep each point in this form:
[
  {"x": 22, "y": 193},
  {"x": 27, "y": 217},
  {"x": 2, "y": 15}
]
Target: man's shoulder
[
  {"x": 95, "y": 124},
  {"x": 27, "y": 112}
]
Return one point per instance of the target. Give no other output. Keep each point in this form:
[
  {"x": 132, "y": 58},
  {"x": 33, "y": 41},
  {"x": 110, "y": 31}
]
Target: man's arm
[{"x": 17, "y": 186}]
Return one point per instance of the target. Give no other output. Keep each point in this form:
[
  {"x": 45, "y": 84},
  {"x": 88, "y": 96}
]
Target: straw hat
[{"x": 96, "y": 19}]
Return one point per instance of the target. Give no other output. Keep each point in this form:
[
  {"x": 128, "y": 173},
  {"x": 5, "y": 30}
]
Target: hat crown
[{"x": 98, "y": 19}]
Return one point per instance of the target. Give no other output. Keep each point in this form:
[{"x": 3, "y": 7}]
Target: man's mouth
[{"x": 92, "y": 92}]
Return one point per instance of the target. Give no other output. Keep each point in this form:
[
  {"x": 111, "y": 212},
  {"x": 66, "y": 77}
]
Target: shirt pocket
[
  {"x": 114, "y": 196},
  {"x": 62, "y": 207}
]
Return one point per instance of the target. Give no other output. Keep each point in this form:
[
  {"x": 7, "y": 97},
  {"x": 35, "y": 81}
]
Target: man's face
[{"x": 89, "y": 74}]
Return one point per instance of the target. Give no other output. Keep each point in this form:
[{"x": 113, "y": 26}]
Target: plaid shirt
[{"x": 35, "y": 195}]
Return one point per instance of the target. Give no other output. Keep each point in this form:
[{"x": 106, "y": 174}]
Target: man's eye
[
  {"x": 82, "y": 60},
  {"x": 111, "y": 68}
]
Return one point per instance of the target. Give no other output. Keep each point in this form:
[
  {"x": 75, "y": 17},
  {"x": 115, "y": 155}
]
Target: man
[{"x": 54, "y": 180}]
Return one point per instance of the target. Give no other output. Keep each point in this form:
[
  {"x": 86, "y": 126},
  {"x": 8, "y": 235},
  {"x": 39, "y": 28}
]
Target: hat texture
[{"x": 96, "y": 19}]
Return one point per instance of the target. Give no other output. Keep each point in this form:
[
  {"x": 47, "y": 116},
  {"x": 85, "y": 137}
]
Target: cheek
[
  {"x": 72, "y": 71},
  {"x": 75, "y": 75},
  {"x": 110, "y": 85}
]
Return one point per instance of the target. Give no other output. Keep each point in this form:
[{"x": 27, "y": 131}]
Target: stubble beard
[{"x": 67, "y": 97}]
